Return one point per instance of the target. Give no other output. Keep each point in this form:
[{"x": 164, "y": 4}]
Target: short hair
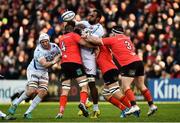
[
  {"x": 118, "y": 29},
  {"x": 69, "y": 27},
  {"x": 99, "y": 14},
  {"x": 78, "y": 28}
]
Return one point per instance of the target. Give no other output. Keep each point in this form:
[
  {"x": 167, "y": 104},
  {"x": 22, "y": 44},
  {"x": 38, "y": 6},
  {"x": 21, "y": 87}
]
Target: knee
[
  {"x": 31, "y": 91},
  {"x": 106, "y": 94},
  {"x": 142, "y": 87},
  {"x": 42, "y": 93},
  {"x": 125, "y": 88},
  {"x": 107, "y": 97}
]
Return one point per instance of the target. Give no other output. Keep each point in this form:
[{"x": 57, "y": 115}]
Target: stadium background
[{"x": 153, "y": 25}]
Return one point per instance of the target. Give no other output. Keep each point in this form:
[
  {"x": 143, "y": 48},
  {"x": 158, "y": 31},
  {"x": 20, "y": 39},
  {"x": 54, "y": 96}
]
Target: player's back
[
  {"x": 104, "y": 59},
  {"x": 69, "y": 46},
  {"x": 122, "y": 48}
]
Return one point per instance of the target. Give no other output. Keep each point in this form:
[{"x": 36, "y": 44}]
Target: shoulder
[
  {"x": 38, "y": 49},
  {"x": 108, "y": 39},
  {"x": 54, "y": 45},
  {"x": 84, "y": 22}
]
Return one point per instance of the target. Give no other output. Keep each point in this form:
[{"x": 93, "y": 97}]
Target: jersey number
[
  {"x": 63, "y": 47},
  {"x": 128, "y": 45}
]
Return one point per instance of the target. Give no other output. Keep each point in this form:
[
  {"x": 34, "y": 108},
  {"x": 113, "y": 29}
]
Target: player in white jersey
[
  {"x": 88, "y": 56},
  {"x": 46, "y": 54}
]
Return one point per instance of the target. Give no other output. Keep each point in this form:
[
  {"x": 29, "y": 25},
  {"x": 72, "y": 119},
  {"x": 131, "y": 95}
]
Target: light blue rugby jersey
[
  {"x": 96, "y": 30},
  {"x": 47, "y": 54}
]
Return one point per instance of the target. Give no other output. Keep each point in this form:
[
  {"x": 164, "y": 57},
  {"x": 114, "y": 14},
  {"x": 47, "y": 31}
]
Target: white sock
[
  {"x": 95, "y": 107},
  {"x": 34, "y": 103},
  {"x": 2, "y": 114},
  {"x": 20, "y": 99}
]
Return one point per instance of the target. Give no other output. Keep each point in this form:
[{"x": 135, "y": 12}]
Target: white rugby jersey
[
  {"x": 87, "y": 54},
  {"x": 47, "y": 54},
  {"x": 96, "y": 30}
]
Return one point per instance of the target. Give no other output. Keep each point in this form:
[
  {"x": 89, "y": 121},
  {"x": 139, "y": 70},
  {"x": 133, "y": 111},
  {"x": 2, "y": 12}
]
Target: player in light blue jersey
[
  {"x": 46, "y": 54},
  {"x": 89, "y": 58}
]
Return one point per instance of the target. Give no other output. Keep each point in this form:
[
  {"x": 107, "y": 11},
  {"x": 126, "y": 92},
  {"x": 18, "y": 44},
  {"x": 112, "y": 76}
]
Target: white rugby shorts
[
  {"x": 89, "y": 60},
  {"x": 37, "y": 76}
]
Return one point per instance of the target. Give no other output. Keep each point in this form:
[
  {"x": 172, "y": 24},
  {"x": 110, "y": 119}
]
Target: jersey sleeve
[
  {"x": 38, "y": 54},
  {"x": 107, "y": 41},
  {"x": 76, "y": 37},
  {"x": 98, "y": 31},
  {"x": 85, "y": 23},
  {"x": 58, "y": 49}
]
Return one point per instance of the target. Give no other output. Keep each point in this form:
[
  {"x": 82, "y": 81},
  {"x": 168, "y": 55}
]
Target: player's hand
[
  {"x": 85, "y": 32},
  {"x": 57, "y": 58}
]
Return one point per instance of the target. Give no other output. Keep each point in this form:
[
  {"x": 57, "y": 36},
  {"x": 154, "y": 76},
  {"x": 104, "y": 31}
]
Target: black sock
[{"x": 93, "y": 92}]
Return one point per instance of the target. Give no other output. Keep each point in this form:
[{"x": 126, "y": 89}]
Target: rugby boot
[{"x": 152, "y": 110}]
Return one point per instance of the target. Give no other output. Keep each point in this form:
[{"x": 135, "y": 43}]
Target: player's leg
[
  {"x": 66, "y": 86},
  {"x": 2, "y": 115},
  {"x": 89, "y": 62},
  {"x": 31, "y": 89},
  {"x": 83, "y": 84},
  {"x": 108, "y": 97},
  {"x": 42, "y": 92},
  {"x": 94, "y": 94},
  {"x": 128, "y": 73},
  {"x": 126, "y": 82},
  {"x": 139, "y": 82},
  {"x": 112, "y": 86}
]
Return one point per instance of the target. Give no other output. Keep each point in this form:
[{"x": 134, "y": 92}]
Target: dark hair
[
  {"x": 69, "y": 27},
  {"x": 99, "y": 14},
  {"x": 117, "y": 29},
  {"x": 78, "y": 28}
]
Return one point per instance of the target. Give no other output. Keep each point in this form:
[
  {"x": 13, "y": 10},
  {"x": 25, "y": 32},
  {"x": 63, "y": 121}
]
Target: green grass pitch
[{"x": 46, "y": 112}]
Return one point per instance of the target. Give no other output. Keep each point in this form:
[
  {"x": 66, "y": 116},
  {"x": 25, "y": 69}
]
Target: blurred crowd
[{"x": 153, "y": 25}]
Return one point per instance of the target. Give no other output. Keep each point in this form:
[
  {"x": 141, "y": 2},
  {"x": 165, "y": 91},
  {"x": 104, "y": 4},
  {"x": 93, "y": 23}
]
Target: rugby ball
[{"x": 68, "y": 16}]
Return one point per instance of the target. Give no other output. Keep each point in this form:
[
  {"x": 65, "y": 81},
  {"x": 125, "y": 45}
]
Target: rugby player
[
  {"x": 132, "y": 68},
  {"x": 72, "y": 67},
  {"x": 111, "y": 91},
  {"x": 46, "y": 54},
  {"x": 88, "y": 56}
]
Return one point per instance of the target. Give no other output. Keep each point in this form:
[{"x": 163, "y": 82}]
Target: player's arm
[
  {"x": 94, "y": 39},
  {"x": 82, "y": 41},
  {"x": 46, "y": 63},
  {"x": 86, "y": 44}
]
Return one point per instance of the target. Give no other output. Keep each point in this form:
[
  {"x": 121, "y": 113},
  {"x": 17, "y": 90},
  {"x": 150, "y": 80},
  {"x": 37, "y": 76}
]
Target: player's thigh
[
  {"x": 111, "y": 76},
  {"x": 129, "y": 72},
  {"x": 126, "y": 82},
  {"x": 32, "y": 84},
  {"x": 72, "y": 70},
  {"x": 89, "y": 62}
]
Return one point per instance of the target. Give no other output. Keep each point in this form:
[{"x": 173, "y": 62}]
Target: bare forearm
[
  {"x": 47, "y": 64},
  {"x": 93, "y": 39}
]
